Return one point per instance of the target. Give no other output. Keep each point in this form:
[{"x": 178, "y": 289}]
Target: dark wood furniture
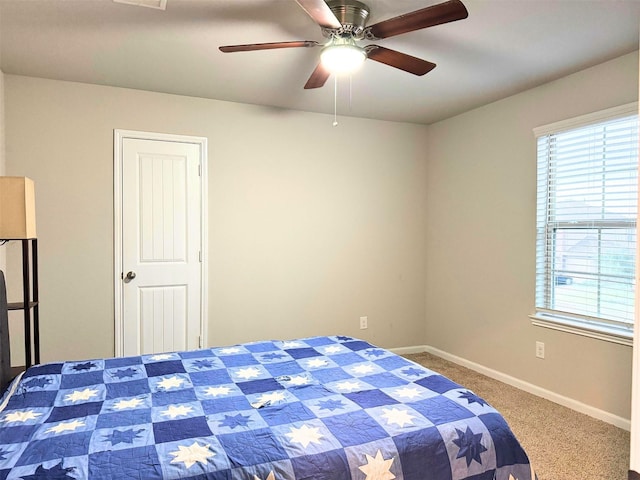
[
  {"x": 29, "y": 304},
  {"x": 6, "y": 373}
]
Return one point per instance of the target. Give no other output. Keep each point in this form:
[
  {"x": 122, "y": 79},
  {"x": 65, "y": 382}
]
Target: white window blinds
[{"x": 586, "y": 222}]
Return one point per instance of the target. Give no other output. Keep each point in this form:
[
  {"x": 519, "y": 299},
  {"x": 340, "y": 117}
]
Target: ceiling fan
[{"x": 344, "y": 23}]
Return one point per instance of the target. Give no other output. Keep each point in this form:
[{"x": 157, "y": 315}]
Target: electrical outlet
[
  {"x": 540, "y": 349},
  {"x": 364, "y": 323}
]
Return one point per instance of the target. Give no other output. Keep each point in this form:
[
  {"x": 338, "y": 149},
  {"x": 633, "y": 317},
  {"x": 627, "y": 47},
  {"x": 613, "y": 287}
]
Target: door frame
[{"x": 118, "y": 138}]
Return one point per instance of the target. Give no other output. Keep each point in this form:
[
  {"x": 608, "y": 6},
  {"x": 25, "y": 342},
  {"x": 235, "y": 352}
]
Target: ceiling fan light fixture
[
  {"x": 342, "y": 58},
  {"x": 158, "y": 4}
]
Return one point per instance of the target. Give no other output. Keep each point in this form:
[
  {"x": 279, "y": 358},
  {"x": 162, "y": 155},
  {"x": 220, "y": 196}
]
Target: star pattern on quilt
[
  {"x": 123, "y": 436},
  {"x": 377, "y": 468},
  {"x": 161, "y": 356},
  {"x": 230, "y": 350},
  {"x": 413, "y": 372},
  {"x": 125, "y": 373},
  {"x": 175, "y": 411},
  {"x": 271, "y": 476},
  {"x": 38, "y": 382},
  {"x": 171, "y": 382},
  {"x": 470, "y": 445},
  {"x": 299, "y": 380},
  {"x": 84, "y": 366},
  {"x": 472, "y": 398},
  {"x": 233, "y": 421},
  {"x": 273, "y": 356},
  {"x": 79, "y": 395},
  {"x": 21, "y": 416},
  {"x": 305, "y": 435},
  {"x": 407, "y": 392},
  {"x": 332, "y": 349},
  {"x": 203, "y": 364},
  {"x": 217, "y": 391},
  {"x": 363, "y": 369},
  {"x": 317, "y": 362},
  {"x": 376, "y": 352},
  {"x": 66, "y": 426},
  {"x": 126, "y": 404},
  {"x": 398, "y": 416},
  {"x": 331, "y": 404},
  {"x": 3, "y": 453},
  {"x": 272, "y": 397},
  {"x": 185, "y": 415},
  {"x": 248, "y": 373},
  {"x": 192, "y": 454},
  {"x": 348, "y": 386},
  {"x": 57, "y": 472}
]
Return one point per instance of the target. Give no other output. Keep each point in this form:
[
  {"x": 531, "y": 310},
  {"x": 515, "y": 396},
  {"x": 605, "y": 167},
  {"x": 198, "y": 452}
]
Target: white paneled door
[{"x": 162, "y": 272}]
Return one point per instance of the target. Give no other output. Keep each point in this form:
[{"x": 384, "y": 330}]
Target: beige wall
[
  {"x": 635, "y": 384},
  {"x": 313, "y": 226},
  {"x": 481, "y": 240},
  {"x": 2, "y": 152},
  {"x": 2, "y": 158},
  {"x": 3, "y": 259},
  {"x": 310, "y": 226}
]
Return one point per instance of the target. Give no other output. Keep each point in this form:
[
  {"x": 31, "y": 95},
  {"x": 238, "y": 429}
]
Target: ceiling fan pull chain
[
  {"x": 335, "y": 100},
  {"x": 350, "y": 90}
]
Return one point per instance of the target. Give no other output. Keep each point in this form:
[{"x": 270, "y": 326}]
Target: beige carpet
[{"x": 562, "y": 444}]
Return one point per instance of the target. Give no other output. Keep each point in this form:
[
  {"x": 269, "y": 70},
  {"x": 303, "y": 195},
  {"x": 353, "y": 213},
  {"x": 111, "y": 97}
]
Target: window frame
[{"x": 585, "y": 325}]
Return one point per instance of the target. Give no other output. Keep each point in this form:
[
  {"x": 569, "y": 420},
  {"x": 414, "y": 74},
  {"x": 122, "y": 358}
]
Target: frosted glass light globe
[{"x": 342, "y": 58}]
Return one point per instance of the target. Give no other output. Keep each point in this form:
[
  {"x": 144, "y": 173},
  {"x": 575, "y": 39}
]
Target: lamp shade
[{"x": 17, "y": 208}]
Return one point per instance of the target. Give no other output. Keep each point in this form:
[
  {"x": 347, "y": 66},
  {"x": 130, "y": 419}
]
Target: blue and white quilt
[{"x": 317, "y": 408}]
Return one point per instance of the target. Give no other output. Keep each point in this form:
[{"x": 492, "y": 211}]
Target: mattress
[{"x": 331, "y": 407}]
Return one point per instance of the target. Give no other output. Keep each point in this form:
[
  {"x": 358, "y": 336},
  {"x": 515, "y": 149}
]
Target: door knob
[{"x": 131, "y": 275}]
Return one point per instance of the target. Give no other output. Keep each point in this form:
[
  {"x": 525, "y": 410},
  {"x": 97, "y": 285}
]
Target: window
[{"x": 586, "y": 224}]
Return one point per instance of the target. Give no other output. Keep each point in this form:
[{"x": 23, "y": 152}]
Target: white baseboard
[
  {"x": 576, "y": 405},
  {"x": 408, "y": 350}
]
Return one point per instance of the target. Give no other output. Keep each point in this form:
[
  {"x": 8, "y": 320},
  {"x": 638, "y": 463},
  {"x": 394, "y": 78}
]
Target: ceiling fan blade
[
  {"x": 395, "y": 59},
  {"x": 320, "y": 12},
  {"x": 267, "y": 46},
  {"x": 318, "y": 78},
  {"x": 427, "y": 17}
]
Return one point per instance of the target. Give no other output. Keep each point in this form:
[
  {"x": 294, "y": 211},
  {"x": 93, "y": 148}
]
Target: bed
[{"x": 329, "y": 407}]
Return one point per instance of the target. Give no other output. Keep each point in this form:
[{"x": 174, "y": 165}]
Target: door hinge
[
  {"x": 200, "y": 342},
  {"x": 200, "y": 256},
  {"x": 199, "y": 170}
]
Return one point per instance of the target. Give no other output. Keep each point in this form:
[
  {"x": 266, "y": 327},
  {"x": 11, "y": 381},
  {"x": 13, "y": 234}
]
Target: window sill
[{"x": 599, "y": 332}]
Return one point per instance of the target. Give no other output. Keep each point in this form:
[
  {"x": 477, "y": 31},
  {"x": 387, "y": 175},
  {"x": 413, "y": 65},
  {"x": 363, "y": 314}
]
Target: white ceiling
[{"x": 504, "y": 47}]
